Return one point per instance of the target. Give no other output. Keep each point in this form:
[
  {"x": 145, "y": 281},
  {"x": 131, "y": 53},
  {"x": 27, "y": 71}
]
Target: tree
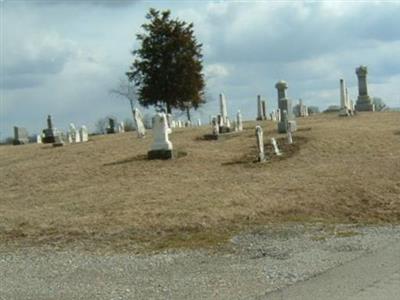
[
  {"x": 167, "y": 68},
  {"x": 126, "y": 90}
]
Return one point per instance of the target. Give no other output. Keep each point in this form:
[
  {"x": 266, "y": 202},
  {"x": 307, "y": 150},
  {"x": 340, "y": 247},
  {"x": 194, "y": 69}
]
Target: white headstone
[
  {"x": 215, "y": 126},
  {"x": 228, "y": 123},
  {"x": 77, "y": 137},
  {"x": 273, "y": 116},
  {"x": 138, "y": 117},
  {"x": 260, "y": 143},
  {"x": 160, "y": 133},
  {"x": 223, "y": 110},
  {"x": 198, "y": 122},
  {"x": 275, "y": 145},
  {"x": 121, "y": 127},
  {"x": 69, "y": 137},
  {"x": 38, "y": 139},
  {"x": 83, "y": 132}
]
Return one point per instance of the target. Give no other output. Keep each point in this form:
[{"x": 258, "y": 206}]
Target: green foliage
[{"x": 167, "y": 69}]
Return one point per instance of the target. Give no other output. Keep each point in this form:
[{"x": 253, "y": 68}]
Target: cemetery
[
  {"x": 112, "y": 193},
  {"x": 210, "y": 150}
]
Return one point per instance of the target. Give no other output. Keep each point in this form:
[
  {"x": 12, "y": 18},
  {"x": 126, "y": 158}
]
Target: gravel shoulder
[{"x": 251, "y": 267}]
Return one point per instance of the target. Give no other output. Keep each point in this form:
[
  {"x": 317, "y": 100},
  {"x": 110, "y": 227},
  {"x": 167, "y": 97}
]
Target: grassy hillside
[{"x": 105, "y": 193}]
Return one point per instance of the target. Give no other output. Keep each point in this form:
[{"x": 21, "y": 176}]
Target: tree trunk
[
  {"x": 168, "y": 108},
  {"x": 133, "y": 115},
  {"x": 188, "y": 113}
]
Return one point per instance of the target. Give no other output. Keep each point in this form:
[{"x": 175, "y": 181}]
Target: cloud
[
  {"x": 62, "y": 57},
  {"x": 105, "y": 3}
]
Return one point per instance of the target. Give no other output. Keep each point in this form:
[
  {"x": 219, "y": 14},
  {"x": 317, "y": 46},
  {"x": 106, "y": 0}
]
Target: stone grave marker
[
  {"x": 161, "y": 147},
  {"x": 275, "y": 146},
  {"x": 260, "y": 143},
  {"x": 83, "y": 133},
  {"x": 364, "y": 102},
  {"x": 21, "y": 136},
  {"x": 138, "y": 117}
]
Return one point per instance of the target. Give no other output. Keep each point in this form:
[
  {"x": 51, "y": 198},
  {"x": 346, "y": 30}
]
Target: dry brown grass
[{"x": 106, "y": 194}]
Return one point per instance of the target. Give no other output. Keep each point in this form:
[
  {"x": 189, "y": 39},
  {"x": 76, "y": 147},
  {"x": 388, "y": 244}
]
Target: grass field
[{"x": 105, "y": 194}]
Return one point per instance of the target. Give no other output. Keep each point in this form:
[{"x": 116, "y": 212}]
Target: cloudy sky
[{"x": 62, "y": 57}]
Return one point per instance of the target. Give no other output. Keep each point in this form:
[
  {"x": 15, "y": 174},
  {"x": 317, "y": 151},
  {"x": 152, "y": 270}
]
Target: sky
[{"x": 63, "y": 57}]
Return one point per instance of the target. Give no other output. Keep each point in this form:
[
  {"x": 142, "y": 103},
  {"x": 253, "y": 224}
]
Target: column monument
[{"x": 364, "y": 102}]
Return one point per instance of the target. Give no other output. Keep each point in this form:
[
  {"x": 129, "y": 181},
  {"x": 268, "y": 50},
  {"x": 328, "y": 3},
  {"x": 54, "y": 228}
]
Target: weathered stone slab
[
  {"x": 21, "y": 136},
  {"x": 260, "y": 144}
]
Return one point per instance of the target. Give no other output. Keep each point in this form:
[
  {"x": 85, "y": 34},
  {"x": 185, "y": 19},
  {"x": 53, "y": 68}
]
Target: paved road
[
  {"x": 374, "y": 276},
  {"x": 364, "y": 266}
]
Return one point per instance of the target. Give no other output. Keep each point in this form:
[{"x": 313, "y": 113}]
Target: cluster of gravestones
[
  {"x": 364, "y": 102},
  {"x": 75, "y": 135},
  {"x": 114, "y": 128},
  {"x": 221, "y": 123},
  {"x": 180, "y": 124},
  {"x": 52, "y": 135}
]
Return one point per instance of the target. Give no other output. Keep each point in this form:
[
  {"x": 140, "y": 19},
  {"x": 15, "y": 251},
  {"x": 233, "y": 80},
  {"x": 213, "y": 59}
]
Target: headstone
[
  {"x": 73, "y": 133},
  {"x": 188, "y": 123},
  {"x": 220, "y": 120},
  {"x": 69, "y": 137},
  {"x": 283, "y": 124},
  {"x": 364, "y": 102},
  {"x": 223, "y": 110},
  {"x": 228, "y": 123},
  {"x": 215, "y": 126},
  {"x": 239, "y": 123},
  {"x": 259, "y": 108},
  {"x": 58, "y": 141},
  {"x": 264, "y": 110},
  {"x": 283, "y": 102},
  {"x": 289, "y": 134},
  {"x": 300, "y": 110},
  {"x": 49, "y": 132},
  {"x": 260, "y": 143},
  {"x": 21, "y": 136},
  {"x": 281, "y": 86},
  {"x": 138, "y": 118},
  {"x": 38, "y": 139},
  {"x": 289, "y": 137},
  {"x": 161, "y": 147},
  {"x": 275, "y": 146},
  {"x": 344, "y": 108},
  {"x": 292, "y": 125},
  {"x": 121, "y": 127},
  {"x": 173, "y": 124},
  {"x": 273, "y": 116},
  {"x": 111, "y": 126},
  {"x": 83, "y": 133},
  {"x": 198, "y": 122}
]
